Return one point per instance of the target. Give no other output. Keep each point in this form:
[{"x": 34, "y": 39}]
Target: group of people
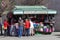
[{"x": 19, "y": 28}]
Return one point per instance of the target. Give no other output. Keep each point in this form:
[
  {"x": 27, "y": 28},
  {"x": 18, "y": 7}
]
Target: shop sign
[{"x": 35, "y": 12}]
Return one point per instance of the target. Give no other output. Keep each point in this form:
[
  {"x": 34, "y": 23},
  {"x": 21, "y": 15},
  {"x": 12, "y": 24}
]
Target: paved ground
[{"x": 53, "y": 36}]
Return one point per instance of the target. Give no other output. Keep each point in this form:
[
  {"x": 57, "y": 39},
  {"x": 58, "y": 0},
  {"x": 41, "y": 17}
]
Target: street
[{"x": 53, "y": 36}]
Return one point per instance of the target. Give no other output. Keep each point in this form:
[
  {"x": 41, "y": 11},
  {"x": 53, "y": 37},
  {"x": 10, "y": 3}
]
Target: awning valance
[{"x": 33, "y": 10}]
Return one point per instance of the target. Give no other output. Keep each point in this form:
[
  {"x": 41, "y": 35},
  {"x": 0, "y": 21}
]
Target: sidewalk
[{"x": 53, "y": 36}]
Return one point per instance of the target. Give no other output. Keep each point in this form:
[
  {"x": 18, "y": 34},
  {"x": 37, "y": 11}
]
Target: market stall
[{"x": 41, "y": 15}]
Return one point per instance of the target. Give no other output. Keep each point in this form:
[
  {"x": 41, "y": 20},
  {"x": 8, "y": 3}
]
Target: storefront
[{"x": 38, "y": 14}]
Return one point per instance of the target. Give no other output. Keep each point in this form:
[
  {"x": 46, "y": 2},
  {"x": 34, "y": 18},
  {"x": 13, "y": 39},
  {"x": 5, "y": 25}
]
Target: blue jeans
[
  {"x": 20, "y": 32},
  {"x": 13, "y": 29},
  {"x": 27, "y": 32}
]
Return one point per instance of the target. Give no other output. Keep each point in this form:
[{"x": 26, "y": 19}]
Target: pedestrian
[
  {"x": 27, "y": 27},
  {"x": 8, "y": 30},
  {"x": 16, "y": 24},
  {"x": 1, "y": 28},
  {"x": 11, "y": 29},
  {"x": 21, "y": 25},
  {"x": 14, "y": 30},
  {"x": 5, "y": 27},
  {"x": 31, "y": 28}
]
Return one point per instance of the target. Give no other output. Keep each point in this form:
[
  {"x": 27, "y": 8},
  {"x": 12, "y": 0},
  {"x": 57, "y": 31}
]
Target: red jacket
[
  {"x": 27, "y": 24},
  {"x": 5, "y": 24}
]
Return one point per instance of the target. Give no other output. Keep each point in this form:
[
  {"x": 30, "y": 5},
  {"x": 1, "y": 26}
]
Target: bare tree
[
  {"x": 9, "y": 5},
  {"x": 0, "y": 8},
  {"x": 30, "y": 2}
]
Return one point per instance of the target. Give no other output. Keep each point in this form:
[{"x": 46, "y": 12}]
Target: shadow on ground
[{"x": 57, "y": 35}]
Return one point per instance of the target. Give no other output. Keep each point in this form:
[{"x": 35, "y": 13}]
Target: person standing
[
  {"x": 31, "y": 28},
  {"x": 1, "y": 28},
  {"x": 27, "y": 27},
  {"x": 8, "y": 30},
  {"x": 21, "y": 25},
  {"x": 5, "y": 27},
  {"x": 11, "y": 27},
  {"x": 16, "y": 25}
]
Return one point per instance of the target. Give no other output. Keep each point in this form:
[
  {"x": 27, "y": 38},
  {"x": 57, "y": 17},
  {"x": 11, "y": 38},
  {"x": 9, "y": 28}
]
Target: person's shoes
[{"x": 19, "y": 36}]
